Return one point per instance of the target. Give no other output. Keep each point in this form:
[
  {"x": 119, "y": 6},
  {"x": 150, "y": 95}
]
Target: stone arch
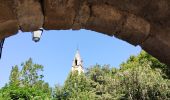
[{"x": 139, "y": 22}]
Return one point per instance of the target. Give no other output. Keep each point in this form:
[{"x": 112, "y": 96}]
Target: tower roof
[
  {"x": 77, "y": 63},
  {"x": 77, "y": 55},
  {"x": 77, "y": 59}
]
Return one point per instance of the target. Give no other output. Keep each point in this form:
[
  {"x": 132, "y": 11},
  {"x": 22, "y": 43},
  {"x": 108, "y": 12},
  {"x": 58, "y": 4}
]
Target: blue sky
[{"x": 56, "y": 50}]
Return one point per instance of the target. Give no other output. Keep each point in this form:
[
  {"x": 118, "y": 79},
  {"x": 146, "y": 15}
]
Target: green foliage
[
  {"x": 14, "y": 76},
  {"x": 144, "y": 57},
  {"x": 30, "y": 73},
  {"x": 144, "y": 78},
  {"x": 26, "y": 84},
  {"x": 75, "y": 87},
  {"x": 141, "y": 77},
  {"x": 143, "y": 83}
]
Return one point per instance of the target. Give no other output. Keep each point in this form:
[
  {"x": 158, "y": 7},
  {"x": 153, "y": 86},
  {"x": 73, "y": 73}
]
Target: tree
[
  {"x": 26, "y": 84},
  {"x": 75, "y": 87},
  {"x": 144, "y": 57},
  {"x": 155, "y": 64},
  {"x": 14, "y": 76},
  {"x": 142, "y": 77},
  {"x": 30, "y": 73}
]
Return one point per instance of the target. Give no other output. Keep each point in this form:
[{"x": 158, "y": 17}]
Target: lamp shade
[{"x": 36, "y": 35}]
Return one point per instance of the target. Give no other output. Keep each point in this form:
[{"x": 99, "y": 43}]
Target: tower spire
[
  {"x": 77, "y": 47},
  {"x": 77, "y": 63}
]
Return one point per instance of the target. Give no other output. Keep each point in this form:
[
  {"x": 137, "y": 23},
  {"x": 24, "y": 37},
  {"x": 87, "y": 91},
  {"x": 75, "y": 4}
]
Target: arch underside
[{"x": 139, "y": 22}]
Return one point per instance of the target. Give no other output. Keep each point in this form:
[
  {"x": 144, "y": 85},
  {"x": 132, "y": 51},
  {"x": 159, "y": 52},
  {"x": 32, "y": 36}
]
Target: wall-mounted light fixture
[
  {"x": 36, "y": 35},
  {"x": 1, "y": 46}
]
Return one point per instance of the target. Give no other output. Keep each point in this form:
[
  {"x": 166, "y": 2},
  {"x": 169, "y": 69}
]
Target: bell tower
[{"x": 77, "y": 63}]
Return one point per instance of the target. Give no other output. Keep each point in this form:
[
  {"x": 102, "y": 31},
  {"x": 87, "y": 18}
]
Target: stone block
[
  {"x": 8, "y": 20},
  {"x": 60, "y": 14},
  {"x": 29, "y": 14}
]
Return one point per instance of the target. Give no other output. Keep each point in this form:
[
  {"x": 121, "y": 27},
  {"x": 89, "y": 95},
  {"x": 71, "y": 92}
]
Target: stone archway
[{"x": 139, "y": 22}]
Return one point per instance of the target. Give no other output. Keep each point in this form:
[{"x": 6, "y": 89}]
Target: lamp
[{"x": 36, "y": 35}]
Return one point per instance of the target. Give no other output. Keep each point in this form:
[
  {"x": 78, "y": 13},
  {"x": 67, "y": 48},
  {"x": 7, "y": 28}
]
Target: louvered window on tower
[{"x": 76, "y": 63}]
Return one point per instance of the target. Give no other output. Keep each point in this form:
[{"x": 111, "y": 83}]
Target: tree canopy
[
  {"x": 141, "y": 77},
  {"x": 26, "y": 84}
]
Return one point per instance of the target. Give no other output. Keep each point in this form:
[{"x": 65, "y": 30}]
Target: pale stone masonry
[{"x": 77, "y": 63}]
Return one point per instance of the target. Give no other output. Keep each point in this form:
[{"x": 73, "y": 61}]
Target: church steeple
[{"x": 77, "y": 63}]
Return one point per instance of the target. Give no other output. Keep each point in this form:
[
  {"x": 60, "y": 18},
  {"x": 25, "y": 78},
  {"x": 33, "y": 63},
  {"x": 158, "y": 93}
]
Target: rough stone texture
[
  {"x": 158, "y": 43},
  {"x": 8, "y": 21},
  {"x": 108, "y": 20},
  {"x": 82, "y": 16},
  {"x": 156, "y": 11},
  {"x": 29, "y": 14},
  {"x": 139, "y": 22},
  {"x": 60, "y": 14}
]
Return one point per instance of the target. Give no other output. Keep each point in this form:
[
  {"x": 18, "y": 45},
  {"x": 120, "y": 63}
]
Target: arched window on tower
[{"x": 76, "y": 63}]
